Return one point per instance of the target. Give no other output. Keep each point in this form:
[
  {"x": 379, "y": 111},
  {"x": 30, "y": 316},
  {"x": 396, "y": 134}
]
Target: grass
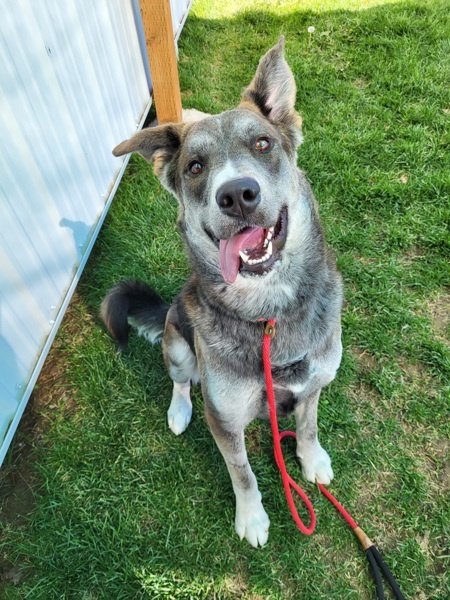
[{"x": 100, "y": 501}]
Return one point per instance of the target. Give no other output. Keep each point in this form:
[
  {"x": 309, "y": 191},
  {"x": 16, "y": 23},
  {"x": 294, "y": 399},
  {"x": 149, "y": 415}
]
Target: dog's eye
[
  {"x": 262, "y": 144},
  {"x": 195, "y": 167}
]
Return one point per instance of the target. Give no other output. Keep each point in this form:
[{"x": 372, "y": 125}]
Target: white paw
[
  {"x": 179, "y": 414},
  {"x": 252, "y": 522},
  {"x": 316, "y": 465}
]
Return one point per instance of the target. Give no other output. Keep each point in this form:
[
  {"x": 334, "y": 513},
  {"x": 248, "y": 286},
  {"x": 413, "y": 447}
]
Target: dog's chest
[
  {"x": 291, "y": 373},
  {"x": 236, "y": 346},
  {"x": 290, "y": 365}
]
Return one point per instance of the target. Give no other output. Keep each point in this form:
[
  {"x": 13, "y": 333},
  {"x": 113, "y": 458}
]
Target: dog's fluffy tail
[{"x": 134, "y": 303}]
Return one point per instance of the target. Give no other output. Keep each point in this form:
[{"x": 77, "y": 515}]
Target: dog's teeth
[
  {"x": 268, "y": 247},
  {"x": 269, "y": 236},
  {"x": 244, "y": 257}
]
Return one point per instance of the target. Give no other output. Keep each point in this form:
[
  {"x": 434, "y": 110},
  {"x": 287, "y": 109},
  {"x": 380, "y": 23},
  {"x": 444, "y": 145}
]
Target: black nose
[{"x": 239, "y": 197}]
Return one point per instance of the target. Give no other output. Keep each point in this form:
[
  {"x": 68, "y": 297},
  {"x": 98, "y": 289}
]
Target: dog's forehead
[{"x": 224, "y": 129}]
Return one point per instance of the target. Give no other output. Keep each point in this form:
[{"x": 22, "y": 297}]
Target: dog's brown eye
[
  {"x": 195, "y": 167},
  {"x": 262, "y": 144}
]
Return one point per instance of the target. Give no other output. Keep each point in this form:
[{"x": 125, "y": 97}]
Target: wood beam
[{"x": 159, "y": 38}]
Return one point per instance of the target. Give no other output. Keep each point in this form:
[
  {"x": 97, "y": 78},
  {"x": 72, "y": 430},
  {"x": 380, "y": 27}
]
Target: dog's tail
[{"x": 134, "y": 303}]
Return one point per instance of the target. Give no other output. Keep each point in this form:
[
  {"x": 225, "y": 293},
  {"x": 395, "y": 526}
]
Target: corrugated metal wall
[
  {"x": 73, "y": 84},
  {"x": 179, "y": 10}
]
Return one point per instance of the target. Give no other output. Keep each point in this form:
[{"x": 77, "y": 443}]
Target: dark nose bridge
[{"x": 239, "y": 197}]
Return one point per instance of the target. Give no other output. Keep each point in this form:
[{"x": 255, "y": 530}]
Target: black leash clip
[{"x": 377, "y": 564}]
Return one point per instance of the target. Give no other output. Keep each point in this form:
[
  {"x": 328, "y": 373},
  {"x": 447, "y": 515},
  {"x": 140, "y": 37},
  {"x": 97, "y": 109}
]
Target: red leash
[
  {"x": 288, "y": 482},
  {"x": 372, "y": 553}
]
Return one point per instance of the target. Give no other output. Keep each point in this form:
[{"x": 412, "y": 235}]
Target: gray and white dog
[{"x": 257, "y": 251}]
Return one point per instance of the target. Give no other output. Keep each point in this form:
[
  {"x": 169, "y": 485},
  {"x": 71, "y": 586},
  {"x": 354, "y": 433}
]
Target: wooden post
[{"x": 159, "y": 38}]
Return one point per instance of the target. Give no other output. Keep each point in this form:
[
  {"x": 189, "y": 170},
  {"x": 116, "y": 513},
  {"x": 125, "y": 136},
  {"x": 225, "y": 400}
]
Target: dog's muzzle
[
  {"x": 253, "y": 250},
  {"x": 239, "y": 197}
]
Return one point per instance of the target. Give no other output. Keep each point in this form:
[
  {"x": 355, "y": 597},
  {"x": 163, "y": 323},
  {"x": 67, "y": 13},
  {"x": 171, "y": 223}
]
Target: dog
[{"x": 250, "y": 225}]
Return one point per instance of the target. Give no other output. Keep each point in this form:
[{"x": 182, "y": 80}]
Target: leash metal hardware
[{"x": 270, "y": 330}]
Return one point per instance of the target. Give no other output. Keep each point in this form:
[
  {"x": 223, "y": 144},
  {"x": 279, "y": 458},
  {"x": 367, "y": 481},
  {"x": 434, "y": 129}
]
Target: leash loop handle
[{"x": 288, "y": 483}]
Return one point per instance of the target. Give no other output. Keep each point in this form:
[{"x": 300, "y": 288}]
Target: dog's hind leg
[
  {"x": 180, "y": 410},
  {"x": 316, "y": 464},
  {"x": 182, "y": 366}
]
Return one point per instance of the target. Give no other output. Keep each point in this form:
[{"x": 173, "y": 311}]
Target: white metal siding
[
  {"x": 179, "y": 10},
  {"x": 72, "y": 85}
]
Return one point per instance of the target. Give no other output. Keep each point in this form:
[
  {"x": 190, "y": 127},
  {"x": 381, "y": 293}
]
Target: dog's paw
[
  {"x": 179, "y": 414},
  {"x": 316, "y": 465},
  {"x": 252, "y": 523}
]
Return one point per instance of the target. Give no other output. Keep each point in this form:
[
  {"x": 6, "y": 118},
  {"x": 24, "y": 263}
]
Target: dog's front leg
[
  {"x": 251, "y": 520},
  {"x": 182, "y": 366},
  {"x": 316, "y": 464}
]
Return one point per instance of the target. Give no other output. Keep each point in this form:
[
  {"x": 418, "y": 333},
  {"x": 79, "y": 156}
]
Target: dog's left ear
[{"x": 273, "y": 91}]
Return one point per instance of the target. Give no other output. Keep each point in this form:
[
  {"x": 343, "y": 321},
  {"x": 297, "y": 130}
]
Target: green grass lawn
[{"x": 99, "y": 500}]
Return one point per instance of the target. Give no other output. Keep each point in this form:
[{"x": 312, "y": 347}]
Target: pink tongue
[{"x": 229, "y": 250}]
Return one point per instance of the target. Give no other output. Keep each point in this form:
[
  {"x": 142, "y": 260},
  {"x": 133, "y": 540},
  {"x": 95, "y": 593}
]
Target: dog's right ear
[{"x": 159, "y": 145}]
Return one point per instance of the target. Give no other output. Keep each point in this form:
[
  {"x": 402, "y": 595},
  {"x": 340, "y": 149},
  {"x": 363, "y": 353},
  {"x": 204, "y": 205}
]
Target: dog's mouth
[{"x": 253, "y": 250}]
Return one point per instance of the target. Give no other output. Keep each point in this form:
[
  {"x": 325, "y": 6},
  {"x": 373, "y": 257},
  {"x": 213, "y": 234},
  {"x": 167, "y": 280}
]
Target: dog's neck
[{"x": 271, "y": 296}]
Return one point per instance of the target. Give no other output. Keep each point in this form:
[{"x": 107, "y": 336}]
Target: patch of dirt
[
  {"x": 368, "y": 260},
  {"x": 365, "y": 395},
  {"x": 416, "y": 376},
  {"x": 366, "y": 361},
  {"x": 361, "y": 83},
  {"x": 236, "y": 585},
  {"x": 413, "y": 253},
  {"x": 19, "y": 481},
  {"x": 439, "y": 310},
  {"x": 253, "y": 441},
  {"x": 18, "y": 484},
  {"x": 441, "y": 453},
  {"x": 445, "y": 479}
]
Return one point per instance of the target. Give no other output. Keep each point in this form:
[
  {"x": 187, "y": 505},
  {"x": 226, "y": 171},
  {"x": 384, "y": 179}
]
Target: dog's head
[{"x": 234, "y": 175}]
